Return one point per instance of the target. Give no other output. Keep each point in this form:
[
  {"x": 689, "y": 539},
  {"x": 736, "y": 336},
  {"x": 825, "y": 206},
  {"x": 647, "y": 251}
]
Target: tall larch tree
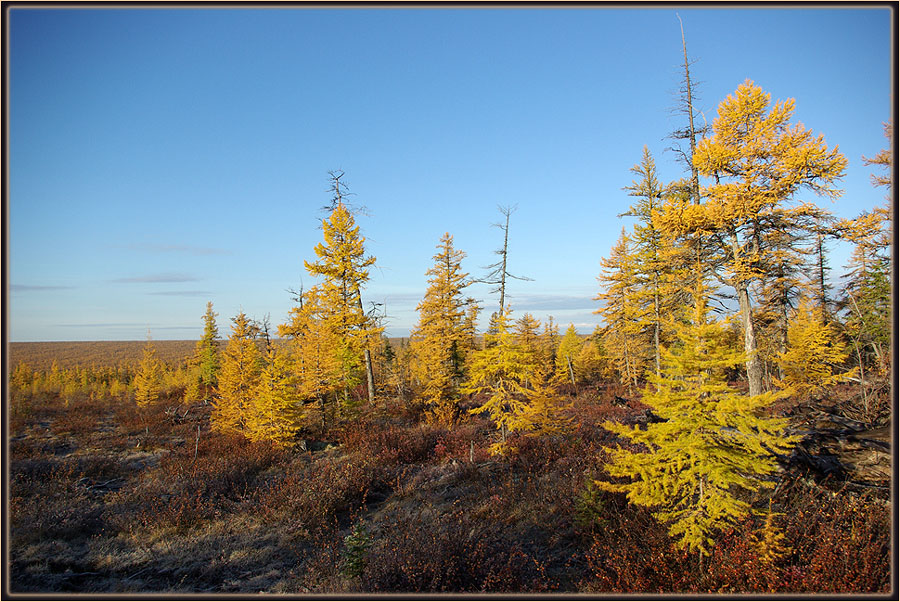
[
  {"x": 661, "y": 260},
  {"x": 149, "y": 377},
  {"x": 242, "y": 364},
  {"x": 621, "y": 312},
  {"x": 206, "y": 353},
  {"x": 439, "y": 339},
  {"x": 713, "y": 444},
  {"x": 344, "y": 266},
  {"x": 757, "y": 162}
]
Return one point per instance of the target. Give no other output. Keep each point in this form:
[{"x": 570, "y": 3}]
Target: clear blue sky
[{"x": 159, "y": 159}]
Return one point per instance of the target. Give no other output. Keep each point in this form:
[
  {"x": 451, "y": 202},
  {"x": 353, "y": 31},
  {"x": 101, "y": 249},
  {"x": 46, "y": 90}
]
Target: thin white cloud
[
  {"x": 550, "y": 302},
  {"x": 182, "y": 293},
  {"x": 182, "y": 249},
  {"x": 101, "y": 325},
  {"x": 159, "y": 278},
  {"x": 24, "y": 288}
]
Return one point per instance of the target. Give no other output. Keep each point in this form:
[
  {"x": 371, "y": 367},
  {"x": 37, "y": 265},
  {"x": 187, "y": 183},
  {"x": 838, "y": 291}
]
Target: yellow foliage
[
  {"x": 814, "y": 355},
  {"x": 344, "y": 268},
  {"x": 519, "y": 396},
  {"x": 276, "y": 413},
  {"x": 238, "y": 377},
  {"x": 568, "y": 351},
  {"x": 314, "y": 346},
  {"x": 713, "y": 441},
  {"x": 621, "y": 311},
  {"x": 441, "y": 339},
  {"x": 149, "y": 378},
  {"x": 770, "y": 540}
]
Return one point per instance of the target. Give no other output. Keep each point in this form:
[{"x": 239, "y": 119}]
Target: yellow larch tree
[
  {"x": 589, "y": 363},
  {"x": 344, "y": 266},
  {"x": 276, "y": 412},
  {"x": 568, "y": 351},
  {"x": 814, "y": 356},
  {"x": 439, "y": 341},
  {"x": 238, "y": 377},
  {"x": 543, "y": 412},
  {"x": 527, "y": 329},
  {"x": 660, "y": 259},
  {"x": 713, "y": 443},
  {"x": 528, "y": 336},
  {"x": 757, "y": 162},
  {"x": 314, "y": 350},
  {"x": 500, "y": 371},
  {"x": 621, "y": 312},
  {"x": 549, "y": 342},
  {"x": 149, "y": 377}
]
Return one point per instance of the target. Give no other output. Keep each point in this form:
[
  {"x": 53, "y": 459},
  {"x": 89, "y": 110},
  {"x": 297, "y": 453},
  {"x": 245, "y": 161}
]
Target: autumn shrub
[
  {"x": 81, "y": 418},
  {"x": 52, "y": 499},
  {"x": 182, "y": 491},
  {"x": 450, "y": 553},
  {"x": 464, "y": 442},
  {"x": 314, "y": 495},
  {"x": 834, "y": 543},
  {"x": 391, "y": 444},
  {"x": 841, "y": 541},
  {"x": 631, "y": 552}
]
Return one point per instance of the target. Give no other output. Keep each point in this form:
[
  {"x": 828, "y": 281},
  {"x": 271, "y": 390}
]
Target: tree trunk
[
  {"x": 367, "y": 356},
  {"x": 627, "y": 363},
  {"x": 755, "y": 373},
  {"x": 503, "y": 268},
  {"x": 656, "y": 327},
  {"x": 823, "y": 291},
  {"x": 571, "y": 372},
  {"x": 370, "y": 377},
  {"x": 754, "y": 366},
  {"x": 689, "y": 98}
]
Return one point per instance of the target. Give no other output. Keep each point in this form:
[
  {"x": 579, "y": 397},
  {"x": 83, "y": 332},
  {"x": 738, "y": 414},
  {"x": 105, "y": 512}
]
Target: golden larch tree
[
  {"x": 757, "y": 162},
  {"x": 242, "y": 364},
  {"x": 814, "y": 355},
  {"x": 713, "y": 444},
  {"x": 500, "y": 371},
  {"x": 621, "y": 312},
  {"x": 344, "y": 266},
  {"x": 276, "y": 412},
  {"x": 439, "y": 341},
  {"x": 149, "y": 377},
  {"x": 568, "y": 351},
  {"x": 314, "y": 341}
]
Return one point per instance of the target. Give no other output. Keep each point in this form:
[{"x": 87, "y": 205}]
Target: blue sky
[{"x": 160, "y": 159}]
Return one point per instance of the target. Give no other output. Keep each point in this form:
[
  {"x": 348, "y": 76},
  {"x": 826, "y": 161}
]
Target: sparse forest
[{"x": 725, "y": 429}]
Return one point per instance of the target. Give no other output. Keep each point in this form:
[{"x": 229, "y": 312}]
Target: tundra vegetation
[{"x": 677, "y": 448}]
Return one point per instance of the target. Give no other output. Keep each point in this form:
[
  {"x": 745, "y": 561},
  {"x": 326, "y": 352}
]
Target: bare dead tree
[
  {"x": 340, "y": 195},
  {"x": 691, "y": 132},
  {"x": 498, "y": 272},
  {"x": 264, "y": 327}
]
